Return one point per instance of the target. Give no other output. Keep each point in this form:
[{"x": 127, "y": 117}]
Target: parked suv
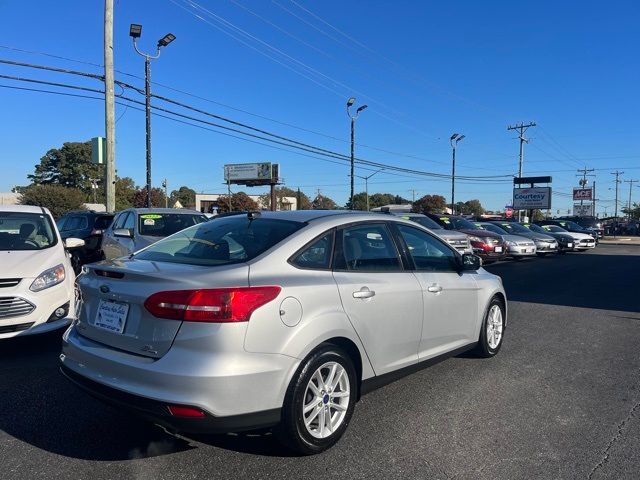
[
  {"x": 136, "y": 228},
  {"x": 89, "y": 226},
  {"x": 487, "y": 245},
  {"x": 36, "y": 278}
]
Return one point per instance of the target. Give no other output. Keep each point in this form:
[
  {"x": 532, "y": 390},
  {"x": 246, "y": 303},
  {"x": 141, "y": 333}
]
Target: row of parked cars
[{"x": 276, "y": 320}]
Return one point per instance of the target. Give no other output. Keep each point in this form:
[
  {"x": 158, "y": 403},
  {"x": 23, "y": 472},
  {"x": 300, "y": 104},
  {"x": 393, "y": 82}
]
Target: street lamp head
[
  {"x": 135, "y": 30},
  {"x": 459, "y": 138},
  {"x": 351, "y": 101},
  {"x": 454, "y": 136},
  {"x": 361, "y": 108},
  {"x": 166, "y": 40}
]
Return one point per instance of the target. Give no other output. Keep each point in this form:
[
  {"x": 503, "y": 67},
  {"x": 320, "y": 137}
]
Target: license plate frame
[
  {"x": 111, "y": 316},
  {"x": 498, "y": 249}
]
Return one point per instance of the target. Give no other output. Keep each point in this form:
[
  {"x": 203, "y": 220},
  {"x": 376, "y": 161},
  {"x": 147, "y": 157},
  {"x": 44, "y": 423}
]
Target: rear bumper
[
  {"x": 158, "y": 412},
  {"x": 521, "y": 251}
]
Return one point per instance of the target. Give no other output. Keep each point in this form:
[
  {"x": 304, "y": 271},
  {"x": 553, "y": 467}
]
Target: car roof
[
  {"x": 23, "y": 209},
  {"x": 305, "y": 216},
  {"x": 164, "y": 210}
]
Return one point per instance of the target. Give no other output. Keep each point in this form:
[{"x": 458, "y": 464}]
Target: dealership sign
[
  {"x": 530, "y": 198},
  {"x": 583, "y": 194}
]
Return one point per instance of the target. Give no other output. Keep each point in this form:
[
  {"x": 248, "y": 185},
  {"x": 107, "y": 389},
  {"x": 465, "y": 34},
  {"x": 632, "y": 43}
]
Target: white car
[
  {"x": 36, "y": 278},
  {"x": 582, "y": 241}
]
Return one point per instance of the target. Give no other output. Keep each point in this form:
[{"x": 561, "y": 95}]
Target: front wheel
[
  {"x": 319, "y": 402},
  {"x": 492, "y": 330}
]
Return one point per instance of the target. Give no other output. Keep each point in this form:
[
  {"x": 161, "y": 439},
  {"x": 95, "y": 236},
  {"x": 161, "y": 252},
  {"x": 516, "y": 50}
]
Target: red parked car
[{"x": 487, "y": 245}]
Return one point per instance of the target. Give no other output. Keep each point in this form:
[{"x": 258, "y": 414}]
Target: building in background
[{"x": 9, "y": 198}]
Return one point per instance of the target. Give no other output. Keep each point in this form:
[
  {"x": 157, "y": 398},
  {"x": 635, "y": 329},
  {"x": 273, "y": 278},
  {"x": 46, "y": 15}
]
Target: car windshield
[
  {"x": 535, "y": 228},
  {"x": 554, "y": 228},
  {"x": 221, "y": 241},
  {"x": 513, "y": 228},
  {"x": 424, "y": 221},
  {"x": 456, "y": 223},
  {"x": 572, "y": 225},
  {"x": 493, "y": 228},
  {"x": 165, "y": 224},
  {"x": 26, "y": 231}
]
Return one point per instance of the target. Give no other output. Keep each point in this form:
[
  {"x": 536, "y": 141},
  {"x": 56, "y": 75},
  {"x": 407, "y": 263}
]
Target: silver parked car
[
  {"x": 518, "y": 247},
  {"x": 279, "y": 319},
  {"x": 545, "y": 244},
  {"x": 136, "y": 228}
]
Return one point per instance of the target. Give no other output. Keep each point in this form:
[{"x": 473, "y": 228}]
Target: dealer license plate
[
  {"x": 111, "y": 316},
  {"x": 498, "y": 250},
  {"x": 569, "y": 245}
]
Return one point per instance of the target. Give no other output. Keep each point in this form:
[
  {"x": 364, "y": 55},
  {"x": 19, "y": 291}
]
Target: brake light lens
[
  {"x": 217, "y": 305},
  {"x": 185, "y": 412}
]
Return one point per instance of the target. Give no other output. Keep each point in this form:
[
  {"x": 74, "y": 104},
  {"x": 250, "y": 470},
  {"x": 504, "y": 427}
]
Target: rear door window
[{"x": 369, "y": 248}]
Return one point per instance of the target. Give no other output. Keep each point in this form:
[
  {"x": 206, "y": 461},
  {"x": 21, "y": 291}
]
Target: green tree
[
  {"x": 240, "y": 202},
  {"x": 185, "y": 195},
  {"x": 635, "y": 211},
  {"x": 470, "y": 207},
  {"x": 125, "y": 192},
  {"x": 58, "y": 199},
  {"x": 69, "y": 166},
  {"x": 281, "y": 192},
  {"x": 429, "y": 204},
  {"x": 359, "y": 202},
  {"x": 157, "y": 197},
  {"x": 537, "y": 216},
  {"x": 323, "y": 203}
]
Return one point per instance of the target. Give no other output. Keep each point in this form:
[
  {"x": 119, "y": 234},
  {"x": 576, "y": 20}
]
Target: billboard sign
[
  {"x": 583, "y": 194},
  {"x": 248, "y": 172},
  {"x": 585, "y": 210},
  {"x": 530, "y": 198}
]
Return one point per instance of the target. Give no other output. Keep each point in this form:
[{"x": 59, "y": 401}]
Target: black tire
[
  {"x": 483, "y": 349},
  {"x": 292, "y": 431}
]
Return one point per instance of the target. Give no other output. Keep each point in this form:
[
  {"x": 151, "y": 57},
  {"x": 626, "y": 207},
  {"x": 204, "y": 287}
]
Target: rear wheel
[
  {"x": 319, "y": 402},
  {"x": 492, "y": 331}
]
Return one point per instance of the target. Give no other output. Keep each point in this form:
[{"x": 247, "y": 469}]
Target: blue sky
[{"x": 426, "y": 69}]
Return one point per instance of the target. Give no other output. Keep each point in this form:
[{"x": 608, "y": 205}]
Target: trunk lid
[{"x": 114, "y": 292}]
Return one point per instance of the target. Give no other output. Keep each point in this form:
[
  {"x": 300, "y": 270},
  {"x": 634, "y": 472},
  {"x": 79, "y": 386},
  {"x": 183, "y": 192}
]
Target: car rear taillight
[
  {"x": 186, "y": 412},
  {"x": 217, "y": 305}
]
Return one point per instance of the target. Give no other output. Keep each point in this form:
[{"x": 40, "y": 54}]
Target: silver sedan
[{"x": 279, "y": 320}]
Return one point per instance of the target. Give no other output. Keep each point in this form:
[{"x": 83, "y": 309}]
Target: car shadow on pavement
[
  {"x": 262, "y": 443},
  {"x": 40, "y": 407}
]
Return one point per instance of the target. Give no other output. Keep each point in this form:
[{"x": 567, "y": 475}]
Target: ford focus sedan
[{"x": 279, "y": 319}]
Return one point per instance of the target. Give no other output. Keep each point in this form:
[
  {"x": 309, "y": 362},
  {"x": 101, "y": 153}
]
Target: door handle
[
  {"x": 434, "y": 288},
  {"x": 364, "y": 292}
]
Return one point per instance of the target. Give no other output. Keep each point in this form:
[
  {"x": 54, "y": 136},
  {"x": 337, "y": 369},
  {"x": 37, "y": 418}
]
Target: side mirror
[
  {"x": 470, "y": 262},
  {"x": 123, "y": 232},
  {"x": 71, "y": 242}
]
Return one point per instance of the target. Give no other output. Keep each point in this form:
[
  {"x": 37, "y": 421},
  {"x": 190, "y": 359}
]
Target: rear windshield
[
  {"x": 26, "y": 231},
  {"x": 554, "y": 228},
  {"x": 221, "y": 241},
  {"x": 455, "y": 223},
  {"x": 165, "y": 224},
  {"x": 424, "y": 221},
  {"x": 535, "y": 228},
  {"x": 493, "y": 228},
  {"x": 75, "y": 222}
]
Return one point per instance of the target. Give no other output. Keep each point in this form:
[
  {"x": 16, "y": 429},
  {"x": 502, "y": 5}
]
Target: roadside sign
[
  {"x": 523, "y": 180},
  {"x": 530, "y": 198},
  {"x": 585, "y": 210},
  {"x": 241, "y": 172},
  {"x": 583, "y": 194},
  {"x": 98, "y": 150}
]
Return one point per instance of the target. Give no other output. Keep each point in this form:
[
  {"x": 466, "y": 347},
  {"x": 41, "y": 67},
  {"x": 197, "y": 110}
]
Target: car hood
[
  {"x": 29, "y": 263},
  {"x": 580, "y": 236},
  {"x": 538, "y": 236},
  {"x": 450, "y": 234},
  {"x": 481, "y": 233}
]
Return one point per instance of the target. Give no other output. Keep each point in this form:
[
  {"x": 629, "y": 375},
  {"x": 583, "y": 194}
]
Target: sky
[{"x": 425, "y": 69}]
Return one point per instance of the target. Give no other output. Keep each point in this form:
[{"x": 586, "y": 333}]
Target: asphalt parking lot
[{"x": 561, "y": 400}]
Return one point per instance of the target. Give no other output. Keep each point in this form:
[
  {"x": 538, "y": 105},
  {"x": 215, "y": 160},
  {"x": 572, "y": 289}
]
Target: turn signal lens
[{"x": 218, "y": 305}]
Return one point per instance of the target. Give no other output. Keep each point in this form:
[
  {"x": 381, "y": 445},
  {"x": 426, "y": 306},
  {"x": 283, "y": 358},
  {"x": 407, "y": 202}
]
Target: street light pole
[
  {"x": 366, "y": 184},
  {"x": 455, "y": 138},
  {"x": 135, "y": 31},
  {"x": 353, "y": 118}
]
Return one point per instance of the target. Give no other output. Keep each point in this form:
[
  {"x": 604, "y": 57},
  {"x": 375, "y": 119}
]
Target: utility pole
[
  {"x": 630, "y": 182},
  {"x": 135, "y": 31},
  {"x": 109, "y": 110},
  {"x": 353, "y": 118},
  {"x": 583, "y": 183},
  {"x": 366, "y": 184},
  {"x": 455, "y": 138},
  {"x": 298, "y": 199},
  {"x": 521, "y": 128},
  {"x": 593, "y": 200},
  {"x": 617, "y": 173},
  {"x": 166, "y": 198},
  {"x": 413, "y": 194}
]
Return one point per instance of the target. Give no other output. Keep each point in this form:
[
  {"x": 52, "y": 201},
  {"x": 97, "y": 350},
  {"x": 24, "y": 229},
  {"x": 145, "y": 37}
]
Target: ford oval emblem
[{"x": 105, "y": 288}]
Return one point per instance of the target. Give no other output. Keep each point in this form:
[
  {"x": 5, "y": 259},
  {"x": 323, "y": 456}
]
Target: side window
[
  {"x": 130, "y": 222},
  {"x": 119, "y": 221},
  {"x": 316, "y": 256},
  {"x": 60, "y": 223},
  {"x": 76, "y": 223},
  {"x": 428, "y": 253},
  {"x": 370, "y": 248}
]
